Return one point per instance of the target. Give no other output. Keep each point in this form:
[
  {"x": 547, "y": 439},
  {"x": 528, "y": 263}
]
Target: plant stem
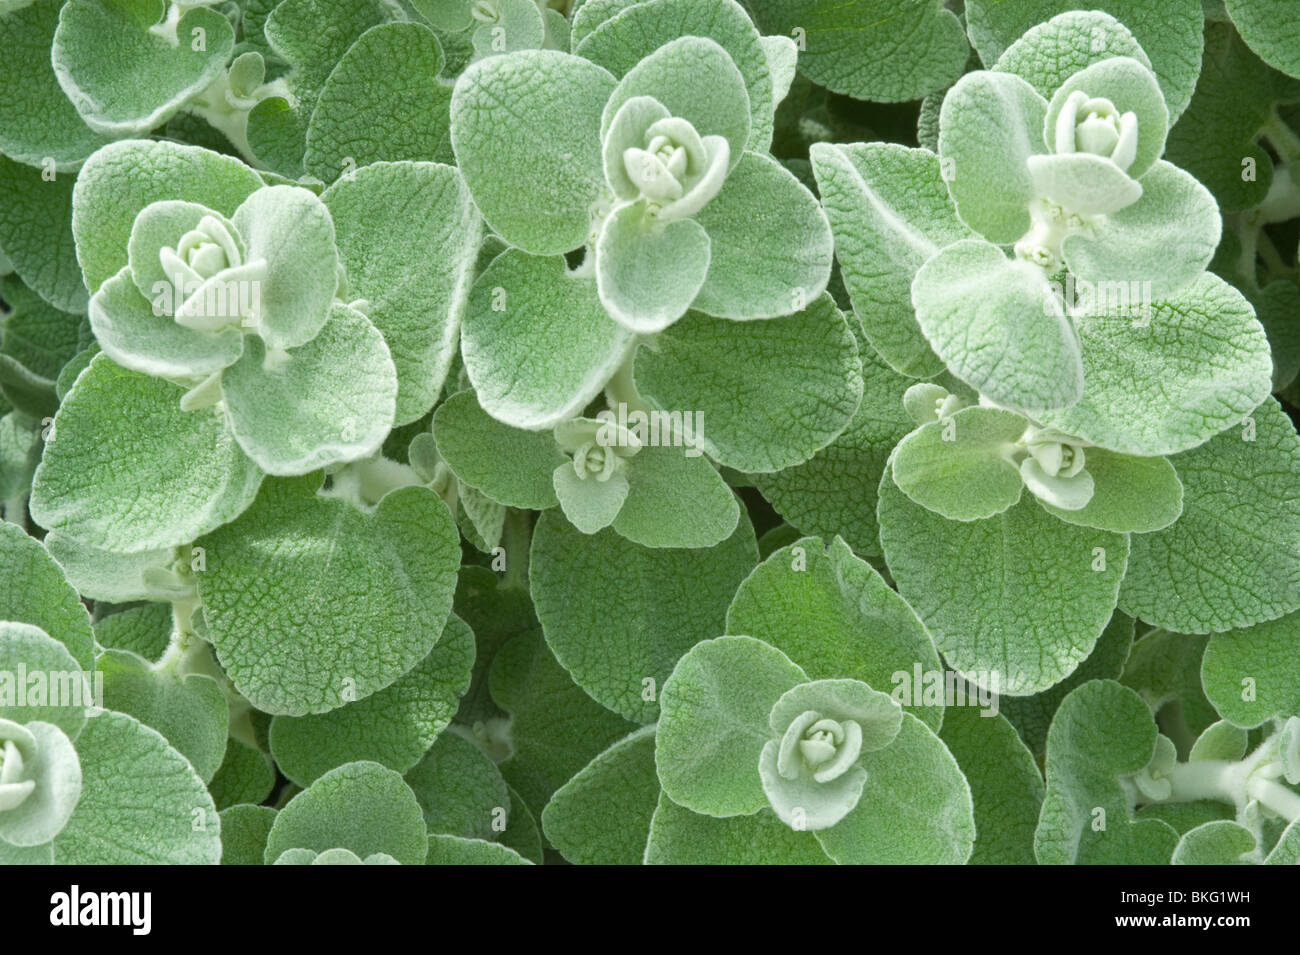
[{"x": 517, "y": 538}]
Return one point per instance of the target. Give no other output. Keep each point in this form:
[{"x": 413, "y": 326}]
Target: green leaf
[
  {"x": 382, "y": 102},
  {"x": 312, "y": 36},
  {"x": 65, "y": 695},
  {"x": 835, "y": 617},
  {"x": 1165, "y": 668},
  {"x": 1020, "y": 597},
  {"x": 144, "y": 630},
  {"x": 770, "y": 243},
  {"x": 1231, "y": 559},
  {"x": 1216, "y": 140},
  {"x": 1006, "y": 788},
  {"x": 1157, "y": 245},
  {"x": 1051, "y": 52},
  {"x": 681, "y": 837},
  {"x": 453, "y": 850},
  {"x": 618, "y": 615},
  {"x": 648, "y": 272},
  {"x": 156, "y": 813},
  {"x": 664, "y": 480},
  {"x": 333, "y": 400},
  {"x": 37, "y": 593},
  {"x": 557, "y": 728},
  {"x": 507, "y": 464},
  {"x": 997, "y": 324},
  {"x": 1032, "y": 715},
  {"x": 106, "y": 575},
  {"x": 460, "y": 790},
  {"x": 890, "y": 211},
  {"x": 35, "y": 237},
  {"x": 887, "y": 51},
  {"x": 672, "y": 75},
  {"x": 127, "y": 66},
  {"x": 246, "y": 775},
  {"x": 1220, "y": 740},
  {"x": 122, "y": 178},
  {"x": 125, "y": 469},
  {"x": 713, "y": 724},
  {"x": 619, "y": 43},
  {"x": 602, "y": 815},
  {"x": 244, "y": 829},
  {"x": 537, "y": 343},
  {"x": 1130, "y": 494},
  {"x": 733, "y": 382},
  {"x": 1269, "y": 28},
  {"x": 189, "y": 711},
  {"x": 1169, "y": 31},
  {"x": 989, "y": 126},
  {"x": 36, "y": 119},
  {"x": 394, "y": 726},
  {"x": 496, "y": 612},
  {"x": 1101, "y": 732},
  {"x": 915, "y": 808},
  {"x": 526, "y": 131},
  {"x": 835, "y": 491},
  {"x": 360, "y": 806},
  {"x": 961, "y": 466},
  {"x": 281, "y": 585},
  {"x": 392, "y": 219},
  {"x": 1167, "y": 376},
  {"x": 1253, "y": 674},
  {"x": 1220, "y": 842}
]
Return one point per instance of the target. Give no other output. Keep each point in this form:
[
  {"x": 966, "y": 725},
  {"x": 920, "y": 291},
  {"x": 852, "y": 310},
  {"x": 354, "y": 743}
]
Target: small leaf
[
  {"x": 125, "y": 469},
  {"x": 280, "y": 594},
  {"x": 158, "y": 813},
  {"x": 1252, "y": 675},
  {"x": 37, "y": 593},
  {"x": 619, "y": 616},
  {"x": 961, "y": 466},
  {"x": 460, "y": 790},
  {"x": 526, "y": 131},
  {"x": 997, "y": 324},
  {"x": 1231, "y": 559},
  {"x": 647, "y": 272},
  {"x": 1130, "y": 494},
  {"x": 714, "y": 723},
  {"x": 537, "y": 343},
  {"x": 360, "y": 806}
]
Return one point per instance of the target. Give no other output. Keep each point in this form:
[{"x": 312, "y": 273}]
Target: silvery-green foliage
[{"x": 500, "y": 432}]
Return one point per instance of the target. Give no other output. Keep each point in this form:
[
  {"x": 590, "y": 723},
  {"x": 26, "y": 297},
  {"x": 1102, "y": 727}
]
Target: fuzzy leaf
[
  {"x": 526, "y": 131},
  {"x": 392, "y": 219},
  {"x": 734, "y": 382},
  {"x": 306, "y": 643},
  {"x": 360, "y": 806},
  {"x": 835, "y": 617},
  {"x": 617, "y": 614},
  {"x": 713, "y": 723},
  {"x": 35, "y": 237},
  {"x": 453, "y": 850},
  {"x": 648, "y": 273},
  {"x": 37, "y": 593},
  {"x": 537, "y": 343},
  {"x": 1169, "y": 377},
  {"x": 393, "y": 727},
  {"x": 1253, "y": 674},
  {"x": 382, "y": 102},
  {"x": 127, "y": 68},
  {"x": 158, "y": 813},
  {"x": 1231, "y": 560},
  {"x": 999, "y": 327},
  {"x": 70, "y": 693},
  {"x": 125, "y": 469},
  {"x": 460, "y": 790},
  {"x": 681, "y": 837},
  {"x": 890, "y": 211},
  {"x": 1129, "y": 494},
  {"x": 602, "y": 815},
  {"x": 1102, "y": 731},
  {"x": 1015, "y": 595},
  {"x": 960, "y": 467}
]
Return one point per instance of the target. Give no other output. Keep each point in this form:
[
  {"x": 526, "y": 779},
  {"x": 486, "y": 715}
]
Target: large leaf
[{"x": 357, "y": 599}]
